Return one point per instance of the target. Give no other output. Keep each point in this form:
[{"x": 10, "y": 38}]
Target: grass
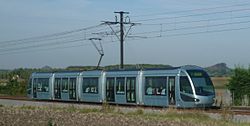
[
  {"x": 226, "y": 114},
  {"x": 27, "y": 107},
  {"x": 137, "y": 112},
  {"x": 106, "y": 108},
  {"x": 164, "y": 115},
  {"x": 170, "y": 115},
  {"x": 50, "y": 123},
  {"x": 195, "y": 117},
  {"x": 89, "y": 110},
  {"x": 71, "y": 108}
]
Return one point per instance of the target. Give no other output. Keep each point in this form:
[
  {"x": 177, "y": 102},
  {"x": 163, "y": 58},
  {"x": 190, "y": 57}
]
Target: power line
[
  {"x": 52, "y": 35},
  {"x": 194, "y": 33},
  {"x": 115, "y": 42},
  {"x": 200, "y": 9},
  {"x": 53, "y": 48},
  {"x": 42, "y": 40},
  {"x": 32, "y": 41},
  {"x": 202, "y": 20},
  {"x": 43, "y": 45},
  {"x": 194, "y": 27},
  {"x": 192, "y": 15}
]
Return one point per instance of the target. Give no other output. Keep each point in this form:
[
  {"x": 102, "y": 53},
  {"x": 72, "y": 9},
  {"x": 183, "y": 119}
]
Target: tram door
[
  {"x": 171, "y": 90},
  {"x": 35, "y": 88},
  {"x": 57, "y": 88},
  {"x": 130, "y": 90},
  {"x": 110, "y": 89},
  {"x": 72, "y": 88}
]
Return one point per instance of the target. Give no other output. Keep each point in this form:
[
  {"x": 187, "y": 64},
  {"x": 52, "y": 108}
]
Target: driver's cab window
[{"x": 185, "y": 85}]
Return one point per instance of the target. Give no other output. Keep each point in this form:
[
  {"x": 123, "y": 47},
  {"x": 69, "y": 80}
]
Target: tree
[{"x": 239, "y": 84}]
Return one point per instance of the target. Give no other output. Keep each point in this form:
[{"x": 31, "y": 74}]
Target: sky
[{"x": 173, "y": 44}]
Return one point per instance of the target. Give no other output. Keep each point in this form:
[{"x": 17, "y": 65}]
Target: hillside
[{"x": 219, "y": 70}]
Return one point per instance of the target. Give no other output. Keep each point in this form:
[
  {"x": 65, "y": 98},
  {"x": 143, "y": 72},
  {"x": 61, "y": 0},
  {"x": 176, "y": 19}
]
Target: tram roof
[{"x": 122, "y": 70}]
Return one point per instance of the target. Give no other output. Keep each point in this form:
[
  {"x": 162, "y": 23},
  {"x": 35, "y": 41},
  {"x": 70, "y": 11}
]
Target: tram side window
[
  {"x": 155, "y": 86},
  {"x": 120, "y": 83},
  {"x": 131, "y": 91},
  {"x": 65, "y": 85},
  {"x": 72, "y": 83},
  {"x": 42, "y": 84},
  {"x": 185, "y": 85},
  {"x": 90, "y": 85},
  {"x": 57, "y": 83}
]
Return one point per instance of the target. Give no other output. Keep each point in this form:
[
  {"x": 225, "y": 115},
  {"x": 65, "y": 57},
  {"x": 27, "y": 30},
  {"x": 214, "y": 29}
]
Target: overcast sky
[{"x": 30, "y": 18}]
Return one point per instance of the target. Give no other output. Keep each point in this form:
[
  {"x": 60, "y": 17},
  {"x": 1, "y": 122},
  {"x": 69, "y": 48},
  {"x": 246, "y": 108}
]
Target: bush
[
  {"x": 239, "y": 84},
  {"x": 14, "y": 87}
]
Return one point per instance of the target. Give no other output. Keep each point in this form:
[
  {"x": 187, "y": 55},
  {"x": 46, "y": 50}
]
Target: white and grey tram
[{"x": 182, "y": 87}]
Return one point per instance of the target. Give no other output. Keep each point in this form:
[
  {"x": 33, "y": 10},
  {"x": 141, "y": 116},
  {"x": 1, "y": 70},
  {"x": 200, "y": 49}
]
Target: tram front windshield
[{"x": 202, "y": 83}]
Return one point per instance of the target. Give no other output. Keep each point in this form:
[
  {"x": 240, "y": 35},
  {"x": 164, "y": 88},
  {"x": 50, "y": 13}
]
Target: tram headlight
[{"x": 196, "y": 100}]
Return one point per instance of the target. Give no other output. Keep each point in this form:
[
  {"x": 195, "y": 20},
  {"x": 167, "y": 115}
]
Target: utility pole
[
  {"x": 122, "y": 35},
  {"x": 121, "y": 38}
]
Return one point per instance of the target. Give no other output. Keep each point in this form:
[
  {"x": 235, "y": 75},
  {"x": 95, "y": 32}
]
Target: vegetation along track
[{"x": 236, "y": 110}]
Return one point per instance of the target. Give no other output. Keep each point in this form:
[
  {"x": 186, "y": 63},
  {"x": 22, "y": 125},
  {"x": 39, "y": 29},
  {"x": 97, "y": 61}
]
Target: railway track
[
  {"x": 14, "y": 97},
  {"x": 235, "y": 110},
  {"x": 241, "y": 110}
]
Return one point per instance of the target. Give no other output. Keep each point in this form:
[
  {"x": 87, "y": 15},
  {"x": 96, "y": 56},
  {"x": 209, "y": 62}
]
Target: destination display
[{"x": 196, "y": 73}]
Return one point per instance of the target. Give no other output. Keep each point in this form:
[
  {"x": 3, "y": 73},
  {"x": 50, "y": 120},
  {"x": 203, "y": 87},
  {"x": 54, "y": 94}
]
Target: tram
[{"x": 180, "y": 87}]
